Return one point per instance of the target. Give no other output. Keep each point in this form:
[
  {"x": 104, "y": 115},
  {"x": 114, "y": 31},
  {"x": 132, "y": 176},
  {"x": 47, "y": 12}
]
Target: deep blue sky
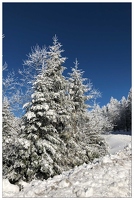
[{"x": 97, "y": 34}]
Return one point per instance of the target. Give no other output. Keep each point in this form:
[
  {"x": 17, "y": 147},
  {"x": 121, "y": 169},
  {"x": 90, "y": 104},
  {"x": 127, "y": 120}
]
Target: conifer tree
[
  {"x": 99, "y": 123},
  {"x": 79, "y": 93},
  {"x": 58, "y": 86},
  {"x": 123, "y": 114},
  {"x": 45, "y": 121},
  {"x": 10, "y": 123},
  {"x": 114, "y": 112},
  {"x": 129, "y": 110},
  {"x": 10, "y": 128}
]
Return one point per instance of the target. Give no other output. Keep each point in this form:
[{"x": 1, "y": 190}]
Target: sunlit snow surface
[{"x": 109, "y": 176}]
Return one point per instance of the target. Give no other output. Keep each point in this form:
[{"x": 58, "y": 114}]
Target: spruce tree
[
  {"x": 78, "y": 97},
  {"x": 81, "y": 95},
  {"x": 129, "y": 111},
  {"x": 10, "y": 128},
  {"x": 99, "y": 123},
  {"x": 45, "y": 121},
  {"x": 58, "y": 87},
  {"x": 88, "y": 145},
  {"x": 114, "y": 112},
  {"x": 123, "y": 114}
]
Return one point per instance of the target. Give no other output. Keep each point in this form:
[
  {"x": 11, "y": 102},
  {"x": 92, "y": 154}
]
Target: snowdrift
[{"x": 109, "y": 176}]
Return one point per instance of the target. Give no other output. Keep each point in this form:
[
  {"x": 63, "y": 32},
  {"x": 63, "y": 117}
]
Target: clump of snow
[
  {"x": 51, "y": 112},
  {"x": 9, "y": 188},
  {"x": 24, "y": 142},
  {"x": 106, "y": 159},
  {"x": 23, "y": 185},
  {"x": 30, "y": 115},
  {"x": 109, "y": 176},
  {"x": 45, "y": 106}
]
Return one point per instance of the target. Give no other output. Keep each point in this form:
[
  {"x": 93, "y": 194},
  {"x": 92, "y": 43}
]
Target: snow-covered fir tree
[
  {"x": 50, "y": 93},
  {"x": 113, "y": 109},
  {"x": 98, "y": 122},
  {"x": 10, "y": 123},
  {"x": 58, "y": 87},
  {"x": 129, "y": 111},
  {"x": 45, "y": 121},
  {"x": 123, "y": 114},
  {"x": 10, "y": 130},
  {"x": 79, "y": 94},
  {"x": 77, "y": 91}
]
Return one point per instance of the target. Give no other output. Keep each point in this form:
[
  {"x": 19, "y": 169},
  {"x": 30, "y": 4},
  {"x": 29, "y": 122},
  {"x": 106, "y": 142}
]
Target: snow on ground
[
  {"x": 117, "y": 141},
  {"x": 109, "y": 176}
]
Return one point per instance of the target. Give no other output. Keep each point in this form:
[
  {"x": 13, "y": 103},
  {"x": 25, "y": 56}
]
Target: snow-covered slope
[
  {"x": 109, "y": 176},
  {"x": 117, "y": 141}
]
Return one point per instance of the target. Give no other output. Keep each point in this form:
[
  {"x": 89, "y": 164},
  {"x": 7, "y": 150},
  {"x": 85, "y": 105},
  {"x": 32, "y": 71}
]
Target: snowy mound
[
  {"x": 109, "y": 176},
  {"x": 9, "y": 188}
]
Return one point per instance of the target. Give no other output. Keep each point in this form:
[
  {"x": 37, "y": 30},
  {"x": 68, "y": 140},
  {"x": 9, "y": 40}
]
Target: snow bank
[
  {"x": 117, "y": 141},
  {"x": 9, "y": 188},
  {"x": 109, "y": 176}
]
